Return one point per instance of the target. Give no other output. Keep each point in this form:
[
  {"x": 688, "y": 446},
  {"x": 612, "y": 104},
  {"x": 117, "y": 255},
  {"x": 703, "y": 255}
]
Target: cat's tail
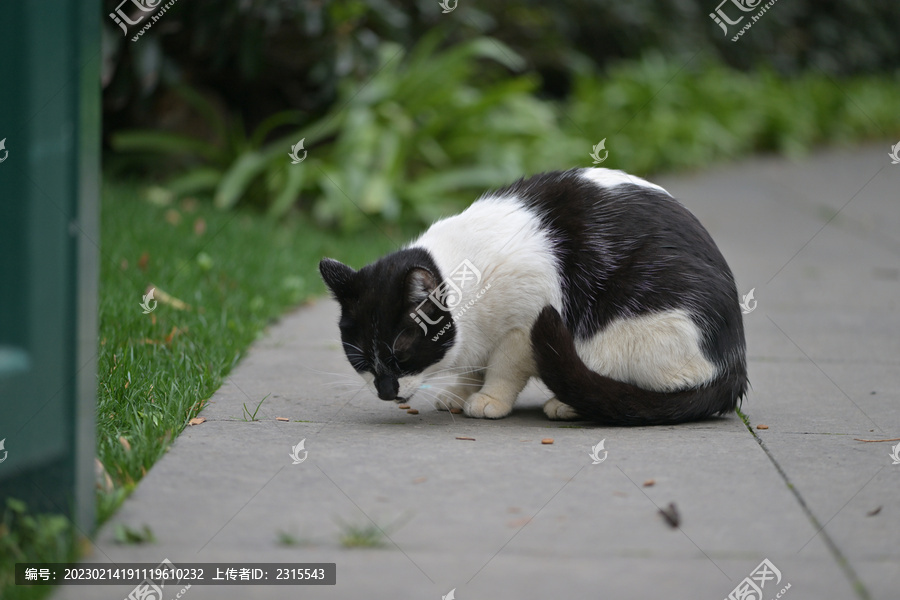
[{"x": 605, "y": 400}]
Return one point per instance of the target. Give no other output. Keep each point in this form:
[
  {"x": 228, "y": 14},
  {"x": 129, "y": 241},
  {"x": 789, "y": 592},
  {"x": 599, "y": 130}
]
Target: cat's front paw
[
  {"x": 559, "y": 411},
  {"x": 482, "y": 406},
  {"x": 445, "y": 401}
]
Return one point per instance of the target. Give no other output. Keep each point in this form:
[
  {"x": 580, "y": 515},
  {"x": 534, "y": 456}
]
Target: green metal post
[{"x": 49, "y": 247}]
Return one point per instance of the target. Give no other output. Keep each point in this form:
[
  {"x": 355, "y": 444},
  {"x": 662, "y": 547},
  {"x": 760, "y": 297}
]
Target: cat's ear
[
  {"x": 419, "y": 283},
  {"x": 339, "y": 278}
]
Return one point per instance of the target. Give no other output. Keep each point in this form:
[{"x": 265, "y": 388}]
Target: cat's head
[{"x": 393, "y": 334}]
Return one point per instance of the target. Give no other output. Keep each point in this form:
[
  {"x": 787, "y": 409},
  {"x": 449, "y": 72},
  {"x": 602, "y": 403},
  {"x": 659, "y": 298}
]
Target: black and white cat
[{"x": 596, "y": 281}]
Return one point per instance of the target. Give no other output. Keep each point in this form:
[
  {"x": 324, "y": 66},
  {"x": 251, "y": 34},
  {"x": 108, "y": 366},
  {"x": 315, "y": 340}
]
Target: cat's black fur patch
[
  {"x": 378, "y": 334},
  {"x": 632, "y": 250},
  {"x": 623, "y": 252},
  {"x": 611, "y": 402}
]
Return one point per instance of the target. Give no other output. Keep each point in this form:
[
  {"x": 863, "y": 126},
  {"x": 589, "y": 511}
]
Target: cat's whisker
[
  {"x": 435, "y": 398},
  {"x": 355, "y": 347},
  {"x": 332, "y": 373}
]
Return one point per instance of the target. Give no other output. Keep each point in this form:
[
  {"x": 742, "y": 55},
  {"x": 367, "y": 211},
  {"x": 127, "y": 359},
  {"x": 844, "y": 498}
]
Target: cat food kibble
[
  {"x": 455, "y": 411},
  {"x": 547, "y": 441},
  {"x": 762, "y": 426},
  {"x": 403, "y": 406},
  {"x": 413, "y": 411}
]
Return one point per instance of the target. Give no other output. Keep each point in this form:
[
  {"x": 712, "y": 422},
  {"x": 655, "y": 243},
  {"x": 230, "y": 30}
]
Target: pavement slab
[{"x": 503, "y": 516}]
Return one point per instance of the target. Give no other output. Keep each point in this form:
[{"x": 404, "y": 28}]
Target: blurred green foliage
[
  {"x": 260, "y": 57},
  {"x": 31, "y": 537},
  {"x": 436, "y": 126}
]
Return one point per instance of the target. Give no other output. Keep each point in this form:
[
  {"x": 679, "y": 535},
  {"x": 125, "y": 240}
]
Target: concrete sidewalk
[{"x": 505, "y": 517}]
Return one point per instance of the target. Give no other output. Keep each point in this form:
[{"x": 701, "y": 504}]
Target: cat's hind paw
[
  {"x": 482, "y": 406},
  {"x": 559, "y": 411}
]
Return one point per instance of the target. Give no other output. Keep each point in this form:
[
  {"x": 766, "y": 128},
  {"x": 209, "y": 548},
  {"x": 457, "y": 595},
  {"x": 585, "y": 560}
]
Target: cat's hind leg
[
  {"x": 511, "y": 366},
  {"x": 559, "y": 411}
]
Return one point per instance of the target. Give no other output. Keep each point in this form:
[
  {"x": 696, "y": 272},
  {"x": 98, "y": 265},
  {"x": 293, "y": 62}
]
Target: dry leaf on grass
[
  {"x": 197, "y": 420},
  {"x": 165, "y": 298}
]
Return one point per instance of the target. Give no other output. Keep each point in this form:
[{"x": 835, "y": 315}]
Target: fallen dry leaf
[
  {"x": 173, "y": 217},
  {"x": 125, "y": 443},
  {"x": 175, "y": 331},
  {"x": 143, "y": 261},
  {"x": 165, "y": 298},
  {"x": 670, "y": 514},
  {"x": 189, "y": 204},
  {"x": 197, "y": 420},
  {"x": 199, "y": 226},
  {"x": 282, "y": 419},
  {"x": 101, "y": 477}
]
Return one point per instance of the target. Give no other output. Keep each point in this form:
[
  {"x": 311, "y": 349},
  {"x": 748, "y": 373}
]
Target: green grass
[
  {"x": 26, "y": 537},
  {"x": 237, "y": 271},
  {"x": 361, "y": 536}
]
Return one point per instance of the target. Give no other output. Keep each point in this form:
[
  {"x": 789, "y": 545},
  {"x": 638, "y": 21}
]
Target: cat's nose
[{"x": 387, "y": 387}]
